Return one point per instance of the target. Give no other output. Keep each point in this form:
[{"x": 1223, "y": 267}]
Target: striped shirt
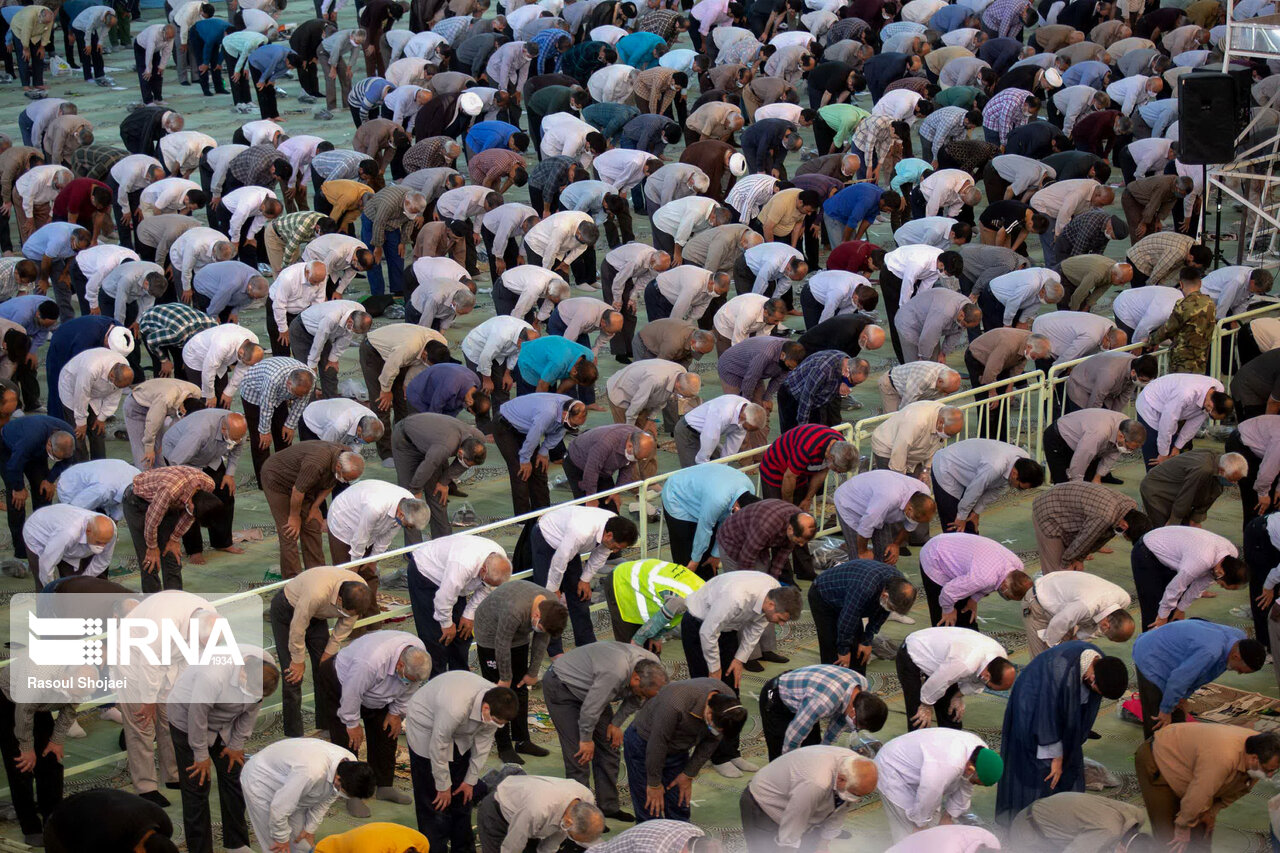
[
  {"x": 750, "y": 194},
  {"x": 296, "y": 229},
  {"x": 172, "y": 324},
  {"x": 491, "y": 163},
  {"x": 817, "y": 693},
  {"x": 1160, "y": 254},
  {"x": 748, "y": 363},
  {"x": 815, "y": 381},
  {"x": 369, "y": 92},
  {"x": 802, "y": 449},
  {"x": 385, "y": 210},
  {"x": 337, "y": 165},
  {"x": 854, "y": 588},
  {"x": 758, "y": 533},
  {"x": 95, "y": 161},
  {"x": 169, "y": 488},
  {"x": 266, "y": 385}
]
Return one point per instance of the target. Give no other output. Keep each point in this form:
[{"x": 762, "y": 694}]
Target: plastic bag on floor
[
  {"x": 827, "y": 552},
  {"x": 1097, "y": 776},
  {"x": 464, "y": 516},
  {"x": 353, "y": 389}
]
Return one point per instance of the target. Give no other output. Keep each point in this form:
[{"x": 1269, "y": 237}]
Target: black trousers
[
  {"x": 826, "y": 621},
  {"x": 1261, "y": 557},
  {"x": 380, "y": 746},
  {"x": 422, "y": 596},
  {"x": 619, "y": 344},
  {"x": 776, "y": 718},
  {"x": 933, "y": 594},
  {"x": 948, "y": 507},
  {"x": 317, "y": 637},
  {"x": 35, "y": 794},
  {"x": 267, "y": 107},
  {"x": 1150, "y": 696},
  {"x": 448, "y": 831},
  {"x": 690, "y": 627},
  {"x": 253, "y": 417},
  {"x": 516, "y": 731},
  {"x": 681, "y": 535},
  {"x": 540, "y": 553},
  {"x": 153, "y": 87},
  {"x": 90, "y": 57},
  {"x": 135, "y": 515},
  {"x": 1059, "y": 454},
  {"x": 912, "y": 679},
  {"x": 526, "y": 495},
  {"x": 241, "y": 90},
  {"x": 196, "y": 819},
  {"x": 219, "y": 524},
  {"x": 35, "y": 473},
  {"x": 1249, "y": 483},
  {"x": 1150, "y": 577},
  {"x": 890, "y": 293}
]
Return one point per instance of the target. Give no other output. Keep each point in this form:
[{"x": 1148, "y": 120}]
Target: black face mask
[{"x": 782, "y": 363}]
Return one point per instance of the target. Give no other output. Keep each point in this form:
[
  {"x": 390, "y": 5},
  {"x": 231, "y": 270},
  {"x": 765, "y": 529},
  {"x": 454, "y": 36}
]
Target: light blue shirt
[
  {"x": 1181, "y": 657},
  {"x": 52, "y": 240},
  {"x": 540, "y": 416},
  {"x": 22, "y": 310},
  {"x": 705, "y": 494}
]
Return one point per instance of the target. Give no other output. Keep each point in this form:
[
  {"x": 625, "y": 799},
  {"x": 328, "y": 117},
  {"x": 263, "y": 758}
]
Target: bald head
[
  {"x": 857, "y": 777},
  {"x": 121, "y": 376},
  {"x": 950, "y": 420},
  {"x": 100, "y": 530},
  {"x": 235, "y": 427},
  {"x": 872, "y": 337},
  {"x": 688, "y": 384},
  {"x": 948, "y": 382}
]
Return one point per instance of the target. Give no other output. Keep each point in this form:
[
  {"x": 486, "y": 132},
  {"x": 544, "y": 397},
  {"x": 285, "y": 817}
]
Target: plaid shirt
[
  {"x": 916, "y": 380},
  {"x": 659, "y": 21},
  {"x": 1005, "y": 111},
  {"x": 1086, "y": 234},
  {"x": 551, "y": 175},
  {"x": 168, "y": 489},
  {"x": 874, "y": 136},
  {"x": 427, "y": 154},
  {"x": 609, "y": 118},
  {"x": 452, "y": 29},
  {"x": 817, "y": 693},
  {"x": 385, "y": 210},
  {"x": 854, "y": 587},
  {"x": 296, "y": 229},
  {"x": 492, "y": 162},
  {"x": 546, "y": 42},
  {"x": 1160, "y": 254},
  {"x": 95, "y": 161},
  {"x": 652, "y": 836},
  {"x": 653, "y": 89},
  {"x": 942, "y": 126},
  {"x": 1082, "y": 515},
  {"x": 846, "y": 28},
  {"x": 750, "y": 194},
  {"x": 1005, "y": 17},
  {"x": 972, "y": 155},
  {"x": 815, "y": 381},
  {"x": 266, "y": 385},
  {"x": 252, "y": 166},
  {"x": 339, "y": 164},
  {"x": 759, "y": 532},
  {"x": 172, "y": 324},
  {"x": 9, "y": 286}
]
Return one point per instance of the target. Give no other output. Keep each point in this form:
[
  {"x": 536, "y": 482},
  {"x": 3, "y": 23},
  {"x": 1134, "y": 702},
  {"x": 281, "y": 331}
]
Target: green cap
[{"x": 990, "y": 766}]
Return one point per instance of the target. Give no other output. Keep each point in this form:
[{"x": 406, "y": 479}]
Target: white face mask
[
  {"x": 847, "y": 797},
  {"x": 1258, "y": 775},
  {"x": 1122, "y": 447},
  {"x": 630, "y": 457},
  {"x": 97, "y": 549}
]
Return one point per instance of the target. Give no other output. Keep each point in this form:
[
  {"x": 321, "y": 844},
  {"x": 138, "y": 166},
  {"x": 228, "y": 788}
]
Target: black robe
[{"x": 142, "y": 129}]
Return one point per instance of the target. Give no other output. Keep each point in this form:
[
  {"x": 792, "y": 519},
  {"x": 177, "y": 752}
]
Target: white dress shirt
[
  {"x": 85, "y": 384},
  {"x": 1145, "y": 309},
  {"x": 505, "y": 222},
  {"x": 909, "y": 437},
  {"x": 36, "y": 187},
  {"x": 1150, "y": 155},
  {"x": 192, "y": 250},
  {"x": 835, "y": 290},
  {"x": 246, "y": 202},
  {"x": 574, "y": 530},
  {"x": 364, "y": 515},
  {"x": 613, "y": 83},
  {"x": 717, "y": 423},
  {"x": 796, "y": 790},
  {"x": 1191, "y": 552},
  {"x": 495, "y": 340},
  {"x": 96, "y": 261},
  {"x": 337, "y": 420},
  {"x": 337, "y": 252},
  {"x": 1019, "y": 292},
  {"x": 621, "y": 167},
  {"x": 167, "y": 195},
  {"x": 534, "y": 807},
  {"x": 1173, "y": 405},
  {"x": 917, "y": 266},
  {"x": 292, "y": 293},
  {"x": 769, "y": 262},
  {"x": 923, "y": 772},
  {"x": 742, "y": 317},
  {"x": 555, "y": 239},
  {"x": 1129, "y": 93},
  {"x": 565, "y": 135},
  {"x": 462, "y": 202},
  {"x": 299, "y": 151},
  {"x": 1021, "y": 172},
  {"x": 213, "y": 352},
  {"x": 874, "y": 499},
  {"x": 97, "y": 485},
  {"x": 1076, "y": 601},
  {"x": 366, "y": 669},
  {"x": 1072, "y": 334},
  {"x": 289, "y": 786},
  {"x": 731, "y": 602},
  {"x": 327, "y": 324},
  {"x": 942, "y": 189},
  {"x": 1228, "y": 287},
  {"x": 684, "y": 217},
  {"x": 446, "y": 714},
  {"x": 532, "y": 284},
  {"x": 453, "y": 564},
  {"x": 955, "y": 838},
  {"x": 57, "y": 532},
  {"x": 951, "y": 658},
  {"x": 975, "y": 470}
]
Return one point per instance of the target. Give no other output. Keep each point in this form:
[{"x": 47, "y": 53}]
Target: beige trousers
[
  {"x": 142, "y": 741},
  {"x": 889, "y": 395},
  {"x": 1034, "y": 620}
]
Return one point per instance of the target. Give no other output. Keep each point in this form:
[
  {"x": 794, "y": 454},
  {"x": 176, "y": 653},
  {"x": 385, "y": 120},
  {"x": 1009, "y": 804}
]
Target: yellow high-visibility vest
[{"x": 638, "y": 586}]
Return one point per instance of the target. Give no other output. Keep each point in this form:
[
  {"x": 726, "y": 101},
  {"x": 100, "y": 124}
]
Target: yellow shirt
[
  {"x": 374, "y": 838},
  {"x": 347, "y": 198},
  {"x": 781, "y": 213}
]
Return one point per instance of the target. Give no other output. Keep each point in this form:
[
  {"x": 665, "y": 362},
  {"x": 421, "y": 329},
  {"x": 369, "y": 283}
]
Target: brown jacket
[{"x": 1204, "y": 764}]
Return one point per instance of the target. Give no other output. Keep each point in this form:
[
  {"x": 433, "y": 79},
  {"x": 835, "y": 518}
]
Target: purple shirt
[
  {"x": 966, "y": 566},
  {"x": 441, "y": 388}
]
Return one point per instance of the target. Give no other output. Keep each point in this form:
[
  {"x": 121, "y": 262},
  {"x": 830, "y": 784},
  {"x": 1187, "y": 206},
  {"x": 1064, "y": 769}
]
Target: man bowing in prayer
[{"x": 1051, "y": 710}]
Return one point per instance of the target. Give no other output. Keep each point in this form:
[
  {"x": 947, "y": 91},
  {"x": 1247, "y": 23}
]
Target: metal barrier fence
[
  {"x": 1224, "y": 355},
  {"x": 1022, "y": 405}
]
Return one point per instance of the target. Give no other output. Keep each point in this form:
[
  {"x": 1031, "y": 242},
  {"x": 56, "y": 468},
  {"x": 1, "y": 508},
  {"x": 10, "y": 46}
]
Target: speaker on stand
[{"x": 1213, "y": 108}]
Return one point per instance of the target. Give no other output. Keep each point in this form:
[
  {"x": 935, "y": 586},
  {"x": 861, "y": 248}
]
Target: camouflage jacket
[{"x": 1190, "y": 329}]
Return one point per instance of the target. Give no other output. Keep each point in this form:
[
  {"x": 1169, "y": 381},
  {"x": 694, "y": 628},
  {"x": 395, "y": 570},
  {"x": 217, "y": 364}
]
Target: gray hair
[
  {"x": 859, "y": 367},
  {"x": 853, "y": 770},
  {"x": 688, "y": 384},
  {"x": 651, "y": 674},
  {"x": 558, "y": 290},
  {"x": 841, "y": 457},
  {"x": 701, "y": 337},
  {"x": 1133, "y": 431},
  {"x": 755, "y": 415},
  {"x": 498, "y": 564},
  {"x": 301, "y": 377},
  {"x": 416, "y": 512},
  {"x": 464, "y": 301},
  {"x": 1040, "y": 346},
  {"x": 1052, "y": 292},
  {"x": 417, "y": 664},
  {"x": 950, "y": 415},
  {"x": 371, "y": 426},
  {"x": 587, "y": 820},
  {"x": 415, "y": 201},
  {"x": 350, "y": 463},
  {"x": 1232, "y": 465}
]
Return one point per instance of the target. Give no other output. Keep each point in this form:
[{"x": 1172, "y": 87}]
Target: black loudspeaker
[{"x": 1209, "y": 109}]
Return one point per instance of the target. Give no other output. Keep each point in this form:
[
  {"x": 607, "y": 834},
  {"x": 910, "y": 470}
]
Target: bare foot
[
  {"x": 232, "y": 549},
  {"x": 197, "y": 559},
  {"x": 1090, "y": 557},
  {"x": 595, "y": 407},
  {"x": 1106, "y": 550}
]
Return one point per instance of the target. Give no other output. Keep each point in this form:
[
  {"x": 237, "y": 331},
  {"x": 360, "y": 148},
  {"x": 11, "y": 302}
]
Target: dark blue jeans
[
  {"x": 390, "y": 256},
  {"x": 448, "y": 830},
  {"x": 634, "y": 748}
]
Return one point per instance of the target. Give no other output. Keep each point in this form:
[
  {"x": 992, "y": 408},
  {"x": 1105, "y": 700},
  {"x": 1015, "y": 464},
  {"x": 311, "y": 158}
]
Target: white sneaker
[
  {"x": 112, "y": 714},
  {"x": 744, "y": 765},
  {"x": 727, "y": 770},
  {"x": 77, "y": 730},
  {"x": 898, "y": 617}
]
